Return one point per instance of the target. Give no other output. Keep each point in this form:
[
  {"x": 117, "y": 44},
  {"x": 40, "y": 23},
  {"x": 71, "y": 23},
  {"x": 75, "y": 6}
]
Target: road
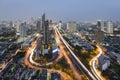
[
  {"x": 75, "y": 59},
  {"x": 92, "y": 65},
  {"x": 28, "y": 63},
  {"x": 66, "y": 55},
  {"x": 3, "y": 66},
  {"x": 62, "y": 51}
]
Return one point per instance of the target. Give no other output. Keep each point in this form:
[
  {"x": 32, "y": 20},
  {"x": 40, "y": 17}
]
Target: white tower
[{"x": 110, "y": 27}]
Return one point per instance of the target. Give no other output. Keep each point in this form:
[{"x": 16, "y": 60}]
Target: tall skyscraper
[
  {"x": 23, "y": 29},
  {"x": 43, "y": 21},
  {"x": 110, "y": 27},
  {"x": 46, "y": 33},
  {"x": 38, "y": 25},
  {"x": 45, "y": 27},
  {"x": 100, "y": 25}
]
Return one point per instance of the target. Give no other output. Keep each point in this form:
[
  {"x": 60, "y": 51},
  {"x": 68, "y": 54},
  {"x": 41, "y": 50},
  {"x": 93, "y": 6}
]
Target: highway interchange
[{"x": 71, "y": 58}]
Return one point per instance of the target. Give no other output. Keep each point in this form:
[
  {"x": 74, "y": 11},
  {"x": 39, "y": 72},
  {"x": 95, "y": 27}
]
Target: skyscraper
[
  {"x": 43, "y": 21},
  {"x": 99, "y": 35},
  {"x": 71, "y": 26},
  {"x": 45, "y": 27},
  {"x": 102, "y": 26},
  {"x": 99, "y": 23},
  {"x": 110, "y": 27},
  {"x": 38, "y": 25},
  {"x": 23, "y": 29},
  {"x": 46, "y": 33}
]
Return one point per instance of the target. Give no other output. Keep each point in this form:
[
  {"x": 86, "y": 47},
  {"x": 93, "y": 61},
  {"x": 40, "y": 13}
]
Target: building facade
[
  {"x": 71, "y": 26},
  {"x": 103, "y": 62},
  {"x": 38, "y": 25},
  {"x": 110, "y": 27},
  {"x": 23, "y": 29},
  {"x": 45, "y": 26},
  {"x": 99, "y": 35}
]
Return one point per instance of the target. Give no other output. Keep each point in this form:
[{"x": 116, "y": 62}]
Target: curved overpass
[{"x": 92, "y": 65}]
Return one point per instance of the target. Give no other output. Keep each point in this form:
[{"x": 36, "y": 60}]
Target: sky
[{"x": 65, "y": 10}]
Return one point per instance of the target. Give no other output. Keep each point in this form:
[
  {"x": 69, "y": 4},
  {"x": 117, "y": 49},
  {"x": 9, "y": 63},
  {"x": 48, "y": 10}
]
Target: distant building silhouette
[
  {"x": 71, "y": 27},
  {"x": 99, "y": 35},
  {"x": 38, "y": 25}
]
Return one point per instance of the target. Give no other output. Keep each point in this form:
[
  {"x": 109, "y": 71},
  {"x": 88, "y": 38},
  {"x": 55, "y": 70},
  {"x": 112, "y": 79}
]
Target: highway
[
  {"x": 92, "y": 65},
  {"x": 37, "y": 67},
  {"x": 66, "y": 55},
  {"x": 3, "y": 66},
  {"x": 75, "y": 59},
  {"x": 62, "y": 51},
  {"x": 35, "y": 63}
]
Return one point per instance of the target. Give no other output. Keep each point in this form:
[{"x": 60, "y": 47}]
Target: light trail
[
  {"x": 92, "y": 65},
  {"x": 81, "y": 67}
]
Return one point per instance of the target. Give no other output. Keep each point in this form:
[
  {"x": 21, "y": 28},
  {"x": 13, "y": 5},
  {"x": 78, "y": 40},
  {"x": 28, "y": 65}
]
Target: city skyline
[{"x": 68, "y": 10}]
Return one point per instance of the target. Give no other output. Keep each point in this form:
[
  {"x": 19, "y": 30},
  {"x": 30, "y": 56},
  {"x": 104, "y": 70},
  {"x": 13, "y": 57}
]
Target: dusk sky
[{"x": 66, "y": 10}]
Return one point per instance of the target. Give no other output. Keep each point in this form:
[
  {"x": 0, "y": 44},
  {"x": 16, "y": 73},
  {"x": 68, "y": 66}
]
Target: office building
[
  {"x": 100, "y": 24},
  {"x": 43, "y": 21},
  {"x": 23, "y": 29},
  {"x": 59, "y": 25},
  {"x": 46, "y": 33},
  {"x": 46, "y": 37},
  {"x": 71, "y": 27},
  {"x": 38, "y": 26},
  {"x": 11, "y": 24},
  {"x": 110, "y": 27},
  {"x": 45, "y": 26},
  {"x": 99, "y": 35},
  {"x": 32, "y": 21}
]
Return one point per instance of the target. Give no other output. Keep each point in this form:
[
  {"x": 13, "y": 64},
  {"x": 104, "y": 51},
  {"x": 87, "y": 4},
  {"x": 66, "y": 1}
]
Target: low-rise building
[
  {"x": 118, "y": 58},
  {"x": 103, "y": 62},
  {"x": 115, "y": 56}
]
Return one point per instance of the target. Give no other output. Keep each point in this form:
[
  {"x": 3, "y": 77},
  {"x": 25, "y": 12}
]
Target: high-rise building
[
  {"x": 60, "y": 25},
  {"x": 99, "y": 35},
  {"x": 50, "y": 22},
  {"x": 17, "y": 25},
  {"x": 32, "y": 21},
  {"x": 43, "y": 21},
  {"x": 71, "y": 26},
  {"x": 110, "y": 27},
  {"x": 46, "y": 33},
  {"x": 45, "y": 26},
  {"x": 11, "y": 24},
  {"x": 100, "y": 24},
  {"x": 23, "y": 29},
  {"x": 38, "y": 25}
]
